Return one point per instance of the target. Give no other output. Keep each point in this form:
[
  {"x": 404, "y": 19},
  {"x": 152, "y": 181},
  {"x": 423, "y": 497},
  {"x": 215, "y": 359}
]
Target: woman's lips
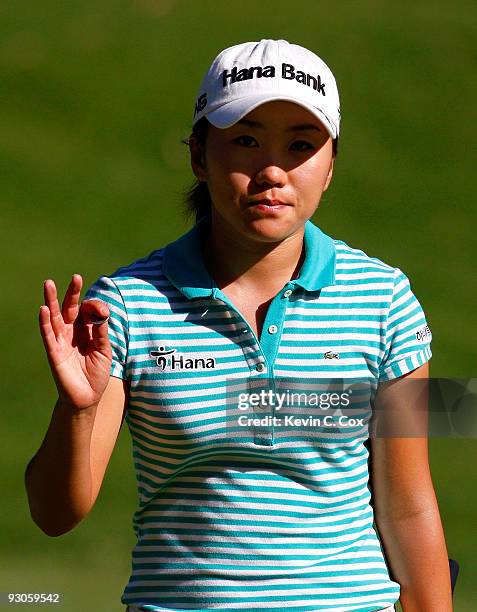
[{"x": 267, "y": 205}]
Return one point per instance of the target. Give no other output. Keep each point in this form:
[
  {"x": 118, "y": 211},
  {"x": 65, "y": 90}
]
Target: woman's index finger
[{"x": 93, "y": 311}]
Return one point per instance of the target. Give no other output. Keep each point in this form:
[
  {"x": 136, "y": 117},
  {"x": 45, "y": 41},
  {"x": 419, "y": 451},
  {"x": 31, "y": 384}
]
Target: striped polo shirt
[{"x": 256, "y": 517}]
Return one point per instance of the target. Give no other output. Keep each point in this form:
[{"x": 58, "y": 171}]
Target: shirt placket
[{"x": 260, "y": 356}]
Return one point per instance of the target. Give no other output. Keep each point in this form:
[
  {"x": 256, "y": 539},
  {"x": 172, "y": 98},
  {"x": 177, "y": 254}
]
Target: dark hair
[{"x": 197, "y": 197}]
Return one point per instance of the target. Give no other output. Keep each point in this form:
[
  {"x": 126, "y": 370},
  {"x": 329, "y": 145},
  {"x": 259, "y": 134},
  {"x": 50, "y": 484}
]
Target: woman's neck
[{"x": 261, "y": 267}]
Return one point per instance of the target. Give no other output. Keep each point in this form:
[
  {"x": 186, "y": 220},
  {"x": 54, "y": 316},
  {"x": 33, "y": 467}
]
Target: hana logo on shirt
[{"x": 167, "y": 360}]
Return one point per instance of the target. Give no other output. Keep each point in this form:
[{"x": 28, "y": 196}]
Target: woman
[{"x": 254, "y": 292}]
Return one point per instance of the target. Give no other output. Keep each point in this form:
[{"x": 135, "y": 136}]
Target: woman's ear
[
  {"x": 197, "y": 159},
  {"x": 330, "y": 174}
]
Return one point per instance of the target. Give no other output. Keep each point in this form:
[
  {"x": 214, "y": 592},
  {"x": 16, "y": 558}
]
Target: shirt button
[
  {"x": 287, "y": 293},
  {"x": 261, "y": 367},
  {"x": 272, "y": 329}
]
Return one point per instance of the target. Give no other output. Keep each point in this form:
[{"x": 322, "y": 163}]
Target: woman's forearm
[
  {"x": 416, "y": 551},
  {"x": 58, "y": 478}
]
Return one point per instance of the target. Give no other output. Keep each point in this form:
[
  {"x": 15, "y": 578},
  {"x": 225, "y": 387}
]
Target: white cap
[{"x": 245, "y": 76}]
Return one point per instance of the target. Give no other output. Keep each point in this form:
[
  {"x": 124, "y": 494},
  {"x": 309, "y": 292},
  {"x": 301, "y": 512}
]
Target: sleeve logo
[{"x": 423, "y": 333}]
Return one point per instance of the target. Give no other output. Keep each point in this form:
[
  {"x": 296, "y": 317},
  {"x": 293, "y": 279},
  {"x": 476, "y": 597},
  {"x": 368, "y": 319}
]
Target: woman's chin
[{"x": 269, "y": 230}]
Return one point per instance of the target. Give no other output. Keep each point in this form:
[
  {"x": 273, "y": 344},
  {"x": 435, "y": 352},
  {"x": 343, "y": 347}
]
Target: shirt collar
[{"x": 184, "y": 266}]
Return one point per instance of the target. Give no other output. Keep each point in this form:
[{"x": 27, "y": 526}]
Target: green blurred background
[{"x": 96, "y": 98}]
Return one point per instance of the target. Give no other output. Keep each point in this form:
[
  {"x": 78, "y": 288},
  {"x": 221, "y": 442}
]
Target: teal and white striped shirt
[{"x": 263, "y": 518}]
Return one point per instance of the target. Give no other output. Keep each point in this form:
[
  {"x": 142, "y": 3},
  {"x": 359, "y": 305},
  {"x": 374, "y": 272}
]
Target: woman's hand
[{"x": 77, "y": 344}]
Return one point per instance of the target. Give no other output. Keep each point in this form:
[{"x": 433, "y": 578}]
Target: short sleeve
[
  {"x": 105, "y": 289},
  {"x": 408, "y": 337}
]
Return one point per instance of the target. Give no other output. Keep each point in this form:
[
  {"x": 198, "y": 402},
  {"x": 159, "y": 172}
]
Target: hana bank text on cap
[{"x": 245, "y": 76}]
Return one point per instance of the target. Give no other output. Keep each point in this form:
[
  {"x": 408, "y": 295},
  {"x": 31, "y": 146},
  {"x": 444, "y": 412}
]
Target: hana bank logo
[{"x": 171, "y": 360}]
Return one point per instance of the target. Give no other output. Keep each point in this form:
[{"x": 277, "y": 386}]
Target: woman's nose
[{"x": 273, "y": 176}]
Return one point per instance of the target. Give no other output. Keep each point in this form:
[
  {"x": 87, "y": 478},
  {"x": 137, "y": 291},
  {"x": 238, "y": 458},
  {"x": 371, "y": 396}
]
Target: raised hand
[{"x": 76, "y": 343}]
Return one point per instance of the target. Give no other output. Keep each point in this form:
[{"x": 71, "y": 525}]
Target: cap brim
[{"x": 229, "y": 113}]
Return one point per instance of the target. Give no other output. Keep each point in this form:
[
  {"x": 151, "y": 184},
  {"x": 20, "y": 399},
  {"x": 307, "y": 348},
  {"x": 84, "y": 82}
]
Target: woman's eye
[
  {"x": 246, "y": 141},
  {"x": 302, "y": 145}
]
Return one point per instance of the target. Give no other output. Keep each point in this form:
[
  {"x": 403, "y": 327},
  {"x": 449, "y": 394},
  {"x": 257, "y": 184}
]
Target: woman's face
[{"x": 266, "y": 173}]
